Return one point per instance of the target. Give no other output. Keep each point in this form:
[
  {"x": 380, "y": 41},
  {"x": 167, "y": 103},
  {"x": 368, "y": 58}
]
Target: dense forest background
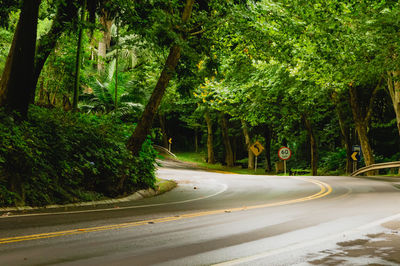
[{"x": 88, "y": 86}]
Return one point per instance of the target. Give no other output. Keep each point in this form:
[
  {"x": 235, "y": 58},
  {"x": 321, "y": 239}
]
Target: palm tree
[{"x": 100, "y": 98}]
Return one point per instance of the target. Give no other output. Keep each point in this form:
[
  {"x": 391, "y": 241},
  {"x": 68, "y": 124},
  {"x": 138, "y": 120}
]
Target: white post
[{"x": 284, "y": 166}]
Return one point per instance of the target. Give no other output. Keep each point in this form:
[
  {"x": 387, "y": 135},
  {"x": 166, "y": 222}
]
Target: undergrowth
[{"x": 57, "y": 157}]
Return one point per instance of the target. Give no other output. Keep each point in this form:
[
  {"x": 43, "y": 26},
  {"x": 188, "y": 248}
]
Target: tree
[
  {"x": 362, "y": 114},
  {"x": 229, "y": 158},
  {"x": 143, "y": 127},
  {"x": 210, "y": 142},
  {"x": 17, "y": 81},
  {"x": 393, "y": 86},
  {"x": 78, "y": 60},
  {"x": 341, "y": 103},
  {"x": 106, "y": 20},
  {"x": 250, "y": 162},
  {"x": 66, "y": 12},
  {"x": 268, "y": 140}
]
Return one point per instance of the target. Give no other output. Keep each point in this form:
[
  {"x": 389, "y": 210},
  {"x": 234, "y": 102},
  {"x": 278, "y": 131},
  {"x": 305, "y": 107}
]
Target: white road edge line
[
  {"x": 224, "y": 188},
  {"x": 309, "y": 243}
]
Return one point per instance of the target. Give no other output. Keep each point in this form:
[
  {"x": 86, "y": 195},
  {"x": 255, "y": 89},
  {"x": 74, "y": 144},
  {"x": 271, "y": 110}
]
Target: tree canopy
[{"x": 317, "y": 76}]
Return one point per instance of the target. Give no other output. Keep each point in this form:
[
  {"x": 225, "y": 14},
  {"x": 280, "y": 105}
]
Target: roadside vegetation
[
  {"x": 57, "y": 157},
  {"x": 87, "y": 86},
  {"x": 199, "y": 160}
]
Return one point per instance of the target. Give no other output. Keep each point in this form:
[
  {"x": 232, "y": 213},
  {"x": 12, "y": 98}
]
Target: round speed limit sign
[{"x": 284, "y": 153}]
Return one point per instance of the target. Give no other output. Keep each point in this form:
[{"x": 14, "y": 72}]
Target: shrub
[
  {"x": 333, "y": 160},
  {"x": 61, "y": 157}
]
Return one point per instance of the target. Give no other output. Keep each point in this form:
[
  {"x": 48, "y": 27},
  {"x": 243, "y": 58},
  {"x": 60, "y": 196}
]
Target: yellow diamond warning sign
[{"x": 256, "y": 148}]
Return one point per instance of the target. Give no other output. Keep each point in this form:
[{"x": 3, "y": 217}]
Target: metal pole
[
  {"x": 169, "y": 147},
  {"x": 284, "y": 166},
  {"x": 255, "y": 166}
]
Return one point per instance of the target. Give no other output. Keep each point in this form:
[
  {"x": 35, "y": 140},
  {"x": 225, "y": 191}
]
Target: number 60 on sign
[{"x": 284, "y": 153}]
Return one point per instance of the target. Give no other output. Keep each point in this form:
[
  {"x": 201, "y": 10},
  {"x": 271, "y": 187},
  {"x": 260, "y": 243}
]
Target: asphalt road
[{"x": 218, "y": 218}]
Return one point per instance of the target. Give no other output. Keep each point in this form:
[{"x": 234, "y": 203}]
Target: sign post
[
  {"x": 256, "y": 148},
  {"x": 284, "y": 154},
  {"x": 169, "y": 144},
  {"x": 356, "y": 155}
]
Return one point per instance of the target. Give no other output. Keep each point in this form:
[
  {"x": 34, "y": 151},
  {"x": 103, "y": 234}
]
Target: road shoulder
[{"x": 161, "y": 187}]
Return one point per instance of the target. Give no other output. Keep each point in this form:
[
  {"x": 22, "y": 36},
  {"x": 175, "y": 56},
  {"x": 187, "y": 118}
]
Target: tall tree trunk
[
  {"x": 16, "y": 83},
  {"x": 65, "y": 14},
  {"x": 163, "y": 131},
  {"x": 229, "y": 159},
  {"x": 313, "y": 145},
  {"x": 361, "y": 121},
  {"x": 143, "y": 128},
  {"x": 42, "y": 93},
  {"x": 116, "y": 70},
  {"x": 268, "y": 137},
  {"x": 247, "y": 139},
  {"x": 234, "y": 140},
  {"x": 145, "y": 122},
  {"x": 104, "y": 42},
  {"x": 394, "y": 91},
  {"x": 210, "y": 145},
  {"x": 196, "y": 140},
  {"x": 78, "y": 61},
  {"x": 361, "y": 128},
  {"x": 344, "y": 130}
]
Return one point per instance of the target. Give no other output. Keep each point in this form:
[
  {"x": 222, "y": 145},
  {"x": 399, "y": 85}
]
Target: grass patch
[
  {"x": 199, "y": 160},
  {"x": 192, "y": 157},
  {"x": 165, "y": 186}
]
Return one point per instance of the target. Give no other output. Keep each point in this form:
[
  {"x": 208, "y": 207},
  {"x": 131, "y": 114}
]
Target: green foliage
[
  {"x": 101, "y": 100},
  {"x": 5, "y": 43},
  {"x": 6, "y": 8},
  {"x": 265, "y": 62},
  {"x": 59, "y": 157},
  {"x": 6, "y": 36},
  {"x": 333, "y": 160},
  {"x": 7, "y": 198}
]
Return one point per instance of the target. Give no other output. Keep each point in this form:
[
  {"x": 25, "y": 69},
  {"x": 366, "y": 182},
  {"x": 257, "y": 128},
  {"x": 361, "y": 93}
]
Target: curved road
[{"x": 218, "y": 218}]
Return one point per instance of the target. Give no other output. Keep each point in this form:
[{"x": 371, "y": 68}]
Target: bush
[
  {"x": 334, "y": 160},
  {"x": 57, "y": 157}
]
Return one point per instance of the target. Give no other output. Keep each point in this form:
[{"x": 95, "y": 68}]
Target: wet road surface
[{"x": 218, "y": 218}]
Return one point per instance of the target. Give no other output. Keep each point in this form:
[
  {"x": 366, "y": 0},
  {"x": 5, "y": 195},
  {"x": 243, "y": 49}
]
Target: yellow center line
[{"x": 325, "y": 190}]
